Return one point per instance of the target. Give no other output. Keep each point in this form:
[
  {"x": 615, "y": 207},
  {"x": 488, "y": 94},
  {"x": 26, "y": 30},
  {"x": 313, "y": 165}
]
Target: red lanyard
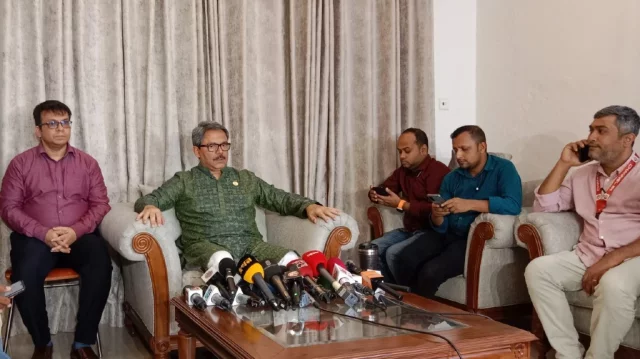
[{"x": 601, "y": 195}]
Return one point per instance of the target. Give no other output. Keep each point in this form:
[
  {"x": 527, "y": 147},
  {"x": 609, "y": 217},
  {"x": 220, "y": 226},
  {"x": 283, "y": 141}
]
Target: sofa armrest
[
  {"x": 301, "y": 235},
  {"x": 548, "y": 233},
  {"x": 384, "y": 219},
  {"x": 139, "y": 242},
  {"x": 488, "y": 231}
]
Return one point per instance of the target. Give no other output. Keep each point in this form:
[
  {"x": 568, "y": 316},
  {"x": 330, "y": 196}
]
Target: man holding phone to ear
[
  {"x": 606, "y": 261},
  {"x": 483, "y": 183},
  {"x": 418, "y": 176}
]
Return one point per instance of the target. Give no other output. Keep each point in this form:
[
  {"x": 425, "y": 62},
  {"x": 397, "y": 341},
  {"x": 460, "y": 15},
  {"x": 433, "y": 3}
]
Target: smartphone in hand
[
  {"x": 583, "y": 154},
  {"x": 435, "y": 198},
  {"x": 381, "y": 191},
  {"x": 16, "y": 288}
]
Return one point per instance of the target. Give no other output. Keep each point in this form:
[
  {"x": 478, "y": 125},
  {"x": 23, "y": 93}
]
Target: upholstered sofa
[
  {"x": 493, "y": 280},
  {"x": 152, "y": 271},
  {"x": 547, "y": 233}
]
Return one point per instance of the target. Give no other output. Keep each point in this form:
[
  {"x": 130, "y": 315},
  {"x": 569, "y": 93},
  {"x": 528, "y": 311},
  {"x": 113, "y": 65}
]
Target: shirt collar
[
  {"x": 70, "y": 149},
  {"x": 489, "y": 166},
  {"x": 619, "y": 169},
  {"x": 206, "y": 170}
]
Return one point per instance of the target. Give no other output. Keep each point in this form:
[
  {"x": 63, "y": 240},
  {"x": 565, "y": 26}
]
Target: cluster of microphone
[{"x": 301, "y": 282}]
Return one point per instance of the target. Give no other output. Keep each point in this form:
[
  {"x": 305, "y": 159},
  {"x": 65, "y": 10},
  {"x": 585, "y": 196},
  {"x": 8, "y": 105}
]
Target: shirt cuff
[
  {"x": 79, "y": 229},
  {"x": 41, "y": 233},
  {"x": 304, "y": 211},
  {"x": 547, "y": 200}
]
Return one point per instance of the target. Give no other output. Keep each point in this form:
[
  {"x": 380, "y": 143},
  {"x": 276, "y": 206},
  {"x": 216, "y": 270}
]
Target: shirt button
[
  {"x": 59, "y": 211},
  {"x": 601, "y": 237}
]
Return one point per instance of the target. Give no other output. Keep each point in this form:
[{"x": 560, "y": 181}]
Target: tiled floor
[{"x": 116, "y": 344}]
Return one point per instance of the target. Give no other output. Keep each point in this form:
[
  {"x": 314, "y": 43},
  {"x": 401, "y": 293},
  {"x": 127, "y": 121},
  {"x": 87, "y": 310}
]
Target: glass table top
[{"x": 310, "y": 326}]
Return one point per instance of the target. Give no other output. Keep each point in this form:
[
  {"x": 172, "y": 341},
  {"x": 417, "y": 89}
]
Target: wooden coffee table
[{"x": 225, "y": 335}]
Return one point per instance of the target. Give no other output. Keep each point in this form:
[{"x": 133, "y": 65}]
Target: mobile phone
[
  {"x": 16, "y": 288},
  {"x": 583, "y": 154},
  {"x": 435, "y": 198},
  {"x": 380, "y": 190}
]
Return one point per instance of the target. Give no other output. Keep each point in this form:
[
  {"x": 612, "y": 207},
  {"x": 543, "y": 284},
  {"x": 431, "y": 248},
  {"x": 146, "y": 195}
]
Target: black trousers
[
  {"x": 430, "y": 260},
  {"x": 32, "y": 260}
]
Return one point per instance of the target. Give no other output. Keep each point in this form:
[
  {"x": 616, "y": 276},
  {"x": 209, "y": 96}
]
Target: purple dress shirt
[
  {"x": 39, "y": 193},
  {"x": 619, "y": 223}
]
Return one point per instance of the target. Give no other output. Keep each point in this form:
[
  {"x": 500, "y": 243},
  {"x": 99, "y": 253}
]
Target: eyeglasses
[
  {"x": 53, "y": 124},
  {"x": 213, "y": 147}
]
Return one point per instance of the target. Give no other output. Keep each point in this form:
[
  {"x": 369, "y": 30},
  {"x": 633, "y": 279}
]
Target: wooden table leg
[{"x": 186, "y": 345}]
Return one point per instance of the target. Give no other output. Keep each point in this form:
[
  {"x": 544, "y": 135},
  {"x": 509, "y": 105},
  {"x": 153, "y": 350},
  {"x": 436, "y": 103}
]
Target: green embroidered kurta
[{"x": 219, "y": 214}]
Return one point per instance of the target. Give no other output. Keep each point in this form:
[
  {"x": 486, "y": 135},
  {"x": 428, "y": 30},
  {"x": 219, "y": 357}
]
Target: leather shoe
[
  {"x": 45, "y": 352},
  {"x": 83, "y": 353}
]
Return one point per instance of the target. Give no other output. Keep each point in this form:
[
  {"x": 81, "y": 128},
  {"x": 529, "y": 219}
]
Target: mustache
[{"x": 221, "y": 157}]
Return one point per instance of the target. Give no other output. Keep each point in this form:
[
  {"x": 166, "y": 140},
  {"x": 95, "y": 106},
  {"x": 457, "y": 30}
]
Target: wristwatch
[{"x": 401, "y": 205}]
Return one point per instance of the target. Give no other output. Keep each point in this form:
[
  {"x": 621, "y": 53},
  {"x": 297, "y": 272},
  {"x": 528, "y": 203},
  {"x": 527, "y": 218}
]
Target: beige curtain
[{"x": 314, "y": 93}]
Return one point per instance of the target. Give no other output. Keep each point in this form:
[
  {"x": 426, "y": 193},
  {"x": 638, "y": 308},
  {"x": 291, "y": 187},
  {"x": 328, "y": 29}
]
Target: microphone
[
  {"x": 300, "y": 266},
  {"x": 193, "y": 296},
  {"x": 244, "y": 299},
  {"x": 212, "y": 297},
  {"x": 246, "y": 289},
  {"x": 353, "y": 268},
  {"x": 217, "y": 280},
  {"x": 272, "y": 273},
  {"x": 342, "y": 275},
  {"x": 227, "y": 269},
  {"x": 375, "y": 280},
  {"x": 251, "y": 271},
  {"x": 317, "y": 260},
  {"x": 293, "y": 279}
]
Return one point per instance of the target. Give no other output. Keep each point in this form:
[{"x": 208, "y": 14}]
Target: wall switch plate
[{"x": 443, "y": 104}]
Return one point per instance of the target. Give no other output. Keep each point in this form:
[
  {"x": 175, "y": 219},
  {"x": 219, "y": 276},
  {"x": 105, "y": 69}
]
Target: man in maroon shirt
[
  {"x": 53, "y": 197},
  {"x": 418, "y": 176}
]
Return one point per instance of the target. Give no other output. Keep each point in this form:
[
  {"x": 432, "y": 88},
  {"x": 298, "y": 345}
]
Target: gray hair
[
  {"x": 198, "y": 133},
  {"x": 627, "y": 119}
]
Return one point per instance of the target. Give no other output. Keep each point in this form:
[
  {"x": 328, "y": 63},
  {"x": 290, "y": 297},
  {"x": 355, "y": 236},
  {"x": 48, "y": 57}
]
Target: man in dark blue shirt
[{"x": 483, "y": 183}]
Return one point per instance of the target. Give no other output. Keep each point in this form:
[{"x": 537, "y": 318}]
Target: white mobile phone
[
  {"x": 435, "y": 198},
  {"x": 16, "y": 288}
]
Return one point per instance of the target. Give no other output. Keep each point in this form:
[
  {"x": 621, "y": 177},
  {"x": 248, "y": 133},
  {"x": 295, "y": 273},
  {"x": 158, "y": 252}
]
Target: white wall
[
  {"x": 545, "y": 67},
  {"x": 454, "y": 49}
]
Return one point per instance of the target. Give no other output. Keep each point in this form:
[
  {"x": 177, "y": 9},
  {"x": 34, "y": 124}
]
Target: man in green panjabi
[{"x": 215, "y": 204}]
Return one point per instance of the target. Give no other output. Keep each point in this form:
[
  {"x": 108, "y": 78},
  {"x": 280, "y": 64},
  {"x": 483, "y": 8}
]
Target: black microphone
[
  {"x": 353, "y": 268},
  {"x": 317, "y": 260},
  {"x": 227, "y": 268},
  {"x": 213, "y": 297},
  {"x": 251, "y": 271},
  {"x": 375, "y": 280},
  {"x": 218, "y": 281},
  {"x": 272, "y": 273},
  {"x": 246, "y": 289},
  {"x": 305, "y": 271},
  {"x": 293, "y": 280},
  {"x": 193, "y": 296}
]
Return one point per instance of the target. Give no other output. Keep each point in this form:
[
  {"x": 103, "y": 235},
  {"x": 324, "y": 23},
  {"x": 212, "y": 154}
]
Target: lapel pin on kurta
[{"x": 235, "y": 183}]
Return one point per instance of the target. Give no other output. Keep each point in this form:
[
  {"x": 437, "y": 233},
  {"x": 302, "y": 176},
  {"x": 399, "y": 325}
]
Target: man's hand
[
  {"x": 52, "y": 239},
  {"x": 152, "y": 214},
  {"x": 314, "y": 211},
  {"x": 569, "y": 155},
  {"x": 66, "y": 237},
  {"x": 391, "y": 200},
  {"x": 457, "y": 205},
  {"x": 4, "y": 301},
  {"x": 373, "y": 196},
  {"x": 592, "y": 276},
  {"x": 438, "y": 211}
]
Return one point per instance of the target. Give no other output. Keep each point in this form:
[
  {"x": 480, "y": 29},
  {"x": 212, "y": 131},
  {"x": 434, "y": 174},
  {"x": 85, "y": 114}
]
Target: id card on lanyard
[{"x": 601, "y": 195}]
